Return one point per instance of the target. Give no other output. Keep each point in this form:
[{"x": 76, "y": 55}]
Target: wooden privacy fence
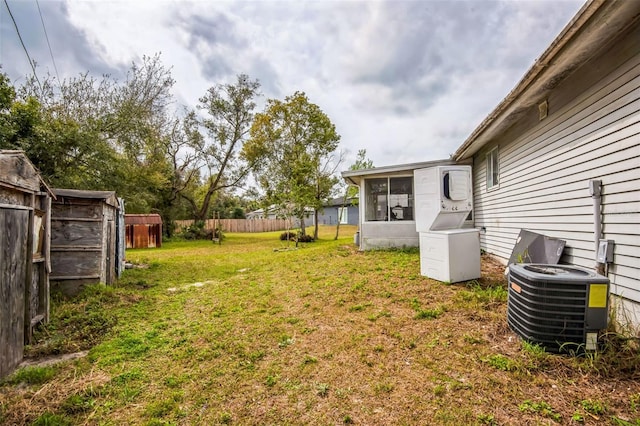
[{"x": 240, "y": 225}]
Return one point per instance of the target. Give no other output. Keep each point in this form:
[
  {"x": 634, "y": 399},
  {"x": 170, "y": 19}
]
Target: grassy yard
[{"x": 245, "y": 333}]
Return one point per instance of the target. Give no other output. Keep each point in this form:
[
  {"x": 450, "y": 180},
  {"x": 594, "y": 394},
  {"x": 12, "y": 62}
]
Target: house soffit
[{"x": 591, "y": 30}]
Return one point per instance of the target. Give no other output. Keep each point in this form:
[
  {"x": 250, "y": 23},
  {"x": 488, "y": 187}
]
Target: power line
[
  {"x": 48, "y": 44},
  {"x": 23, "y": 46}
]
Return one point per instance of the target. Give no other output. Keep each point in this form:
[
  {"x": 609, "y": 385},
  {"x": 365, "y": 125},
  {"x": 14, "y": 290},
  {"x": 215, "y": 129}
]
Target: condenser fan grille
[{"x": 549, "y": 304}]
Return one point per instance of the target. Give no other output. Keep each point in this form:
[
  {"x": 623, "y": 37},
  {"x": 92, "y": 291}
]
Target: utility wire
[
  {"x": 48, "y": 44},
  {"x": 23, "y": 46}
]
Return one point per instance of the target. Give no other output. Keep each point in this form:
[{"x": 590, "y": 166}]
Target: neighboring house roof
[
  {"x": 108, "y": 196},
  {"x": 142, "y": 219},
  {"x": 354, "y": 176},
  {"x": 340, "y": 202},
  {"x": 272, "y": 209},
  {"x": 593, "y": 27}
]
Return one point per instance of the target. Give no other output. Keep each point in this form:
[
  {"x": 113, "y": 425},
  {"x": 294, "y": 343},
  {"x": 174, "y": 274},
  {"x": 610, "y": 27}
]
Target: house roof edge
[{"x": 593, "y": 26}]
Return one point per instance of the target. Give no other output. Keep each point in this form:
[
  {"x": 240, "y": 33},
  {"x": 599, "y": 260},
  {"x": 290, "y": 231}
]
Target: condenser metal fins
[{"x": 560, "y": 307}]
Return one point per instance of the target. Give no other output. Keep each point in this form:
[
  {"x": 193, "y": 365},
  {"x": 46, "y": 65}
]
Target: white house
[{"x": 572, "y": 123}]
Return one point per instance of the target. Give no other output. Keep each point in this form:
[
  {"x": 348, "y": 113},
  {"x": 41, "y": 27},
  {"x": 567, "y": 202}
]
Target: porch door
[{"x": 14, "y": 231}]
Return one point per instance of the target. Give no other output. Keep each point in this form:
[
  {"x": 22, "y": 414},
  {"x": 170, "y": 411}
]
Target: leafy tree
[
  {"x": 325, "y": 183},
  {"x": 291, "y": 145},
  {"x": 7, "y": 98},
  {"x": 351, "y": 191},
  {"x": 99, "y": 133},
  {"x": 136, "y": 125},
  {"x": 361, "y": 163},
  {"x": 105, "y": 135},
  {"x": 20, "y": 120},
  {"x": 183, "y": 147},
  {"x": 69, "y": 151},
  {"x": 229, "y": 109},
  {"x": 228, "y": 206}
]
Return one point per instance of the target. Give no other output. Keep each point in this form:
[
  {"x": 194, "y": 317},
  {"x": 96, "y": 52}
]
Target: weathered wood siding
[
  {"x": 14, "y": 224},
  {"x": 141, "y": 235},
  {"x": 24, "y": 255},
  {"x": 592, "y": 132},
  {"x": 109, "y": 222},
  {"x": 76, "y": 242},
  {"x": 17, "y": 172},
  {"x": 83, "y": 242},
  {"x": 121, "y": 239}
]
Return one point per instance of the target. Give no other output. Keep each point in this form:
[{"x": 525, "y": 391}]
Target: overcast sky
[{"x": 406, "y": 80}]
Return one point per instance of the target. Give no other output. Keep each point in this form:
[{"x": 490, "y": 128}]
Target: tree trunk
[
  {"x": 344, "y": 202},
  {"x": 315, "y": 220},
  {"x": 303, "y": 230}
]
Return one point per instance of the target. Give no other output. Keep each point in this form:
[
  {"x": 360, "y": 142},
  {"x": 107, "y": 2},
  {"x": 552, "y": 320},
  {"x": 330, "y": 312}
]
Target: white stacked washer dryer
[{"x": 443, "y": 200}]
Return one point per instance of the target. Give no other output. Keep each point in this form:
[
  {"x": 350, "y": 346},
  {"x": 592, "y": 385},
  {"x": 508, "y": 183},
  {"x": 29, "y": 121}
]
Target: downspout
[{"x": 595, "y": 189}]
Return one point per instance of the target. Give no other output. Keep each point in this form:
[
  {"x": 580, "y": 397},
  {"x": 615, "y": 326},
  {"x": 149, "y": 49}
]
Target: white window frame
[
  {"x": 343, "y": 215},
  {"x": 493, "y": 169},
  {"x": 388, "y": 196}
]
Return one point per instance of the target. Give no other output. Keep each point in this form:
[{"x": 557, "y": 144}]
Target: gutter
[
  {"x": 354, "y": 176},
  {"x": 542, "y": 64}
]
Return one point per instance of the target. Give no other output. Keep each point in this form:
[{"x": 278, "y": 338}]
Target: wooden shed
[
  {"x": 143, "y": 230},
  {"x": 85, "y": 246},
  {"x": 25, "y": 205}
]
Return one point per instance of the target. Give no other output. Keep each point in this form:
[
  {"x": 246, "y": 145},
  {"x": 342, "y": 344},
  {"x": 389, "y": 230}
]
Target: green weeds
[
  {"x": 32, "y": 375},
  {"x": 429, "y": 313},
  {"x": 593, "y": 407},
  {"x": 322, "y": 389},
  {"x": 541, "y": 408},
  {"x": 502, "y": 362},
  {"x": 78, "y": 323},
  {"x": 52, "y": 419},
  {"x": 487, "y": 419},
  {"x": 78, "y": 403},
  {"x": 477, "y": 296}
]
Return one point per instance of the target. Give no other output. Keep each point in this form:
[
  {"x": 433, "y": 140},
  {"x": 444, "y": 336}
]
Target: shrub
[
  {"x": 292, "y": 236},
  {"x": 288, "y": 235},
  {"x": 305, "y": 239},
  {"x": 196, "y": 231}
]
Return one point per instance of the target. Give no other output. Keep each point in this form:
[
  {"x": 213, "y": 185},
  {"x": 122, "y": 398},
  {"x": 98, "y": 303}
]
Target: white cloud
[{"x": 406, "y": 80}]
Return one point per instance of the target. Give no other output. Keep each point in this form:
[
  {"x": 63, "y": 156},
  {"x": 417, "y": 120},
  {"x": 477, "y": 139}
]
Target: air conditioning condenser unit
[{"x": 560, "y": 307}]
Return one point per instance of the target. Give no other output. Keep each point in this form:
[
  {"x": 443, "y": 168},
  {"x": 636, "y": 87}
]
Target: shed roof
[
  {"x": 142, "y": 219},
  {"x": 595, "y": 25},
  {"x": 108, "y": 196},
  {"x": 19, "y": 172}
]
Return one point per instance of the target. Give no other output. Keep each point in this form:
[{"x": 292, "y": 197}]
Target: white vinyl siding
[{"x": 545, "y": 168}]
